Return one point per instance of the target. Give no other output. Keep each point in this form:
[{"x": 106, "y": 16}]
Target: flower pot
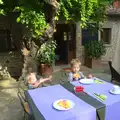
[
  {"x": 46, "y": 69},
  {"x": 93, "y": 63},
  {"x": 88, "y": 62},
  {"x": 96, "y": 63},
  {"x": 116, "y": 4}
]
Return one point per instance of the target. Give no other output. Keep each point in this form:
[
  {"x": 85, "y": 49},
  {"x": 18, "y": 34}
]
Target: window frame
[{"x": 110, "y": 35}]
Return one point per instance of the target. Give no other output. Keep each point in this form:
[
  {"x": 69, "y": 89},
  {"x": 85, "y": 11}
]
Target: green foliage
[
  {"x": 34, "y": 21},
  {"x": 36, "y": 18},
  {"x": 1, "y": 10},
  {"x": 46, "y": 53},
  {"x": 84, "y": 10},
  {"x": 95, "y": 49},
  {"x": 33, "y": 12}
]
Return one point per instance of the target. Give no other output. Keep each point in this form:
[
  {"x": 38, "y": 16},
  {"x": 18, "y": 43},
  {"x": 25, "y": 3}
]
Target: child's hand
[
  {"x": 41, "y": 80},
  {"x": 75, "y": 78},
  {"x": 50, "y": 77},
  {"x": 90, "y": 76},
  {"x": 36, "y": 84}
]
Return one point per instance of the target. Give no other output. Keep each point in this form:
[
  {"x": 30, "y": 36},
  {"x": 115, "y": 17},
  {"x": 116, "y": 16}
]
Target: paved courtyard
[{"x": 10, "y": 107}]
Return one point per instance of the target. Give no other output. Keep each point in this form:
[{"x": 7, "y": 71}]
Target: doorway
[{"x": 65, "y": 37}]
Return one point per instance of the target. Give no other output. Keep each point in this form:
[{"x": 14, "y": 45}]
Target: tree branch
[{"x": 51, "y": 9}]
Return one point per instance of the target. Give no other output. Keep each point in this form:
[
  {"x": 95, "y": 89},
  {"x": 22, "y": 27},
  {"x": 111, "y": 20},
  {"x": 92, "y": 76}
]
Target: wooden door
[{"x": 70, "y": 38}]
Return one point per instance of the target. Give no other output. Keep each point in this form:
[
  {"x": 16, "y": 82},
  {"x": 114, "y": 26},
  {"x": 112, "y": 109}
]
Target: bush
[{"x": 95, "y": 49}]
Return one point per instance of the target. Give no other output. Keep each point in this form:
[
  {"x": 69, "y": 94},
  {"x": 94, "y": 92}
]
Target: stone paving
[{"x": 10, "y": 107}]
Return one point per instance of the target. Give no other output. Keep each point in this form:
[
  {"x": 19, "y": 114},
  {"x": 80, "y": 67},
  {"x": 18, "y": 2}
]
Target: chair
[
  {"x": 64, "y": 73},
  {"x": 115, "y": 76},
  {"x": 25, "y": 106},
  {"x": 22, "y": 88}
]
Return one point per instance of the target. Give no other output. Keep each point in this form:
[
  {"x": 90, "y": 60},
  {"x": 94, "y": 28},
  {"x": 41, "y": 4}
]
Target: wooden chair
[
  {"x": 64, "y": 73},
  {"x": 115, "y": 76},
  {"x": 22, "y": 88},
  {"x": 25, "y": 105}
]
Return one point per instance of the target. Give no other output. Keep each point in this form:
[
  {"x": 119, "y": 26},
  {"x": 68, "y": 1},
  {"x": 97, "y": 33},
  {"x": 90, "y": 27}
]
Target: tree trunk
[
  {"x": 29, "y": 59},
  {"x": 29, "y": 50}
]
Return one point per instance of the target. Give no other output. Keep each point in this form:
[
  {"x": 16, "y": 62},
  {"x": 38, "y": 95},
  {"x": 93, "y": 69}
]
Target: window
[
  {"x": 88, "y": 34},
  {"x": 6, "y": 41},
  {"x": 106, "y": 35}
]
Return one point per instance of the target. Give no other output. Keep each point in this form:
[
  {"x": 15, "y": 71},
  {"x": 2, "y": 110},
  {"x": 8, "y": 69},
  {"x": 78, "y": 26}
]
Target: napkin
[
  {"x": 98, "y": 81},
  {"x": 101, "y": 97}
]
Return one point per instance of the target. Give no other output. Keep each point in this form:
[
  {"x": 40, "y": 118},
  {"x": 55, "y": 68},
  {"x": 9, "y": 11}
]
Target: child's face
[
  {"x": 29, "y": 69},
  {"x": 75, "y": 68}
]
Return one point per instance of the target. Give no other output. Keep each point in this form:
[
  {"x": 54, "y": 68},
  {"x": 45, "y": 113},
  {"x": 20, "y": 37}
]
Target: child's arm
[
  {"x": 70, "y": 77},
  {"x": 82, "y": 75},
  {"x": 45, "y": 79}
]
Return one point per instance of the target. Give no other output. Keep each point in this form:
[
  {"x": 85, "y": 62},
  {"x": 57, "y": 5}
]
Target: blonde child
[
  {"x": 32, "y": 80},
  {"x": 75, "y": 73}
]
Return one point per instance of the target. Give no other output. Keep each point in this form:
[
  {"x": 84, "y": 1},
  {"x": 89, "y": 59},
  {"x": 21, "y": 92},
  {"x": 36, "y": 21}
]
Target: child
[
  {"x": 75, "y": 73},
  {"x": 32, "y": 80}
]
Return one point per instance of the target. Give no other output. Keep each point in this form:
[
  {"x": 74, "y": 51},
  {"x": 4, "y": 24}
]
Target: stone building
[{"x": 109, "y": 33}]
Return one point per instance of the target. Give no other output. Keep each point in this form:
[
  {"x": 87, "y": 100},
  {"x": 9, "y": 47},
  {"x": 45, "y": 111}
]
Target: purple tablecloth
[
  {"x": 44, "y": 97},
  {"x": 112, "y": 102}
]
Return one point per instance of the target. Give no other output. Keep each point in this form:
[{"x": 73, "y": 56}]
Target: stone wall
[
  {"x": 111, "y": 23},
  {"x": 12, "y": 60}
]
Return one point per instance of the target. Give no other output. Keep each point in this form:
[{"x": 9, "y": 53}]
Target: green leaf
[{"x": 18, "y": 19}]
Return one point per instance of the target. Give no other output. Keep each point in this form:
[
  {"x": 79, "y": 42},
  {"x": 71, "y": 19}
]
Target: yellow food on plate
[{"x": 64, "y": 103}]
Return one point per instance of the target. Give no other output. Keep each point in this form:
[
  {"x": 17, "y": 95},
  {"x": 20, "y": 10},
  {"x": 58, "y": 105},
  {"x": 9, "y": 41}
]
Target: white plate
[
  {"x": 56, "y": 106},
  {"x": 115, "y": 92},
  {"x": 86, "y": 81}
]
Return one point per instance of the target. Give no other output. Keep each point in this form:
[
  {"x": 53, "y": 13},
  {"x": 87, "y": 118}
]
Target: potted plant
[
  {"x": 93, "y": 51},
  {"x": 116, "y": 4},
  {"x": 46, "y": 57}
]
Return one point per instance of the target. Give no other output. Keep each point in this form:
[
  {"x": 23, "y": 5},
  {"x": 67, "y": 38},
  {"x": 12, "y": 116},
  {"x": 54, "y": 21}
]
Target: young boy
[
  {"x": 75, "y": 73},
  {"x": 32, "y": 80}
]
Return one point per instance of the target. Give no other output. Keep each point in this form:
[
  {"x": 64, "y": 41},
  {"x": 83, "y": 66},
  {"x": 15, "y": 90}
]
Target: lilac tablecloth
[
  {"x": 112, "y": 102},
  {"x": 44, "y": 97}
]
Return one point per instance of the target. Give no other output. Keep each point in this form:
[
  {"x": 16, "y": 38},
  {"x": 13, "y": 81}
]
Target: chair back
[
  {"x": 114, "y": 74},
  {"x": 24, "y": 102}
]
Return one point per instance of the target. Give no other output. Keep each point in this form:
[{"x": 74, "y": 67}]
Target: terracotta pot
[
  {"x": 46, "y": 69},
  {"x": 93, "y": 63},
  {"x": 96, "y": 63},
  {"x": 116, "y": 4},
  {"x": 88, "y": 62}
]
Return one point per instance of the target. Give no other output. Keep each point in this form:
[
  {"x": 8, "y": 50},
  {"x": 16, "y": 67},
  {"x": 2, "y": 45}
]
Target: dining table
[
  {"x": 112, "y": 102},
  {"x": 87, "y": 105}
]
